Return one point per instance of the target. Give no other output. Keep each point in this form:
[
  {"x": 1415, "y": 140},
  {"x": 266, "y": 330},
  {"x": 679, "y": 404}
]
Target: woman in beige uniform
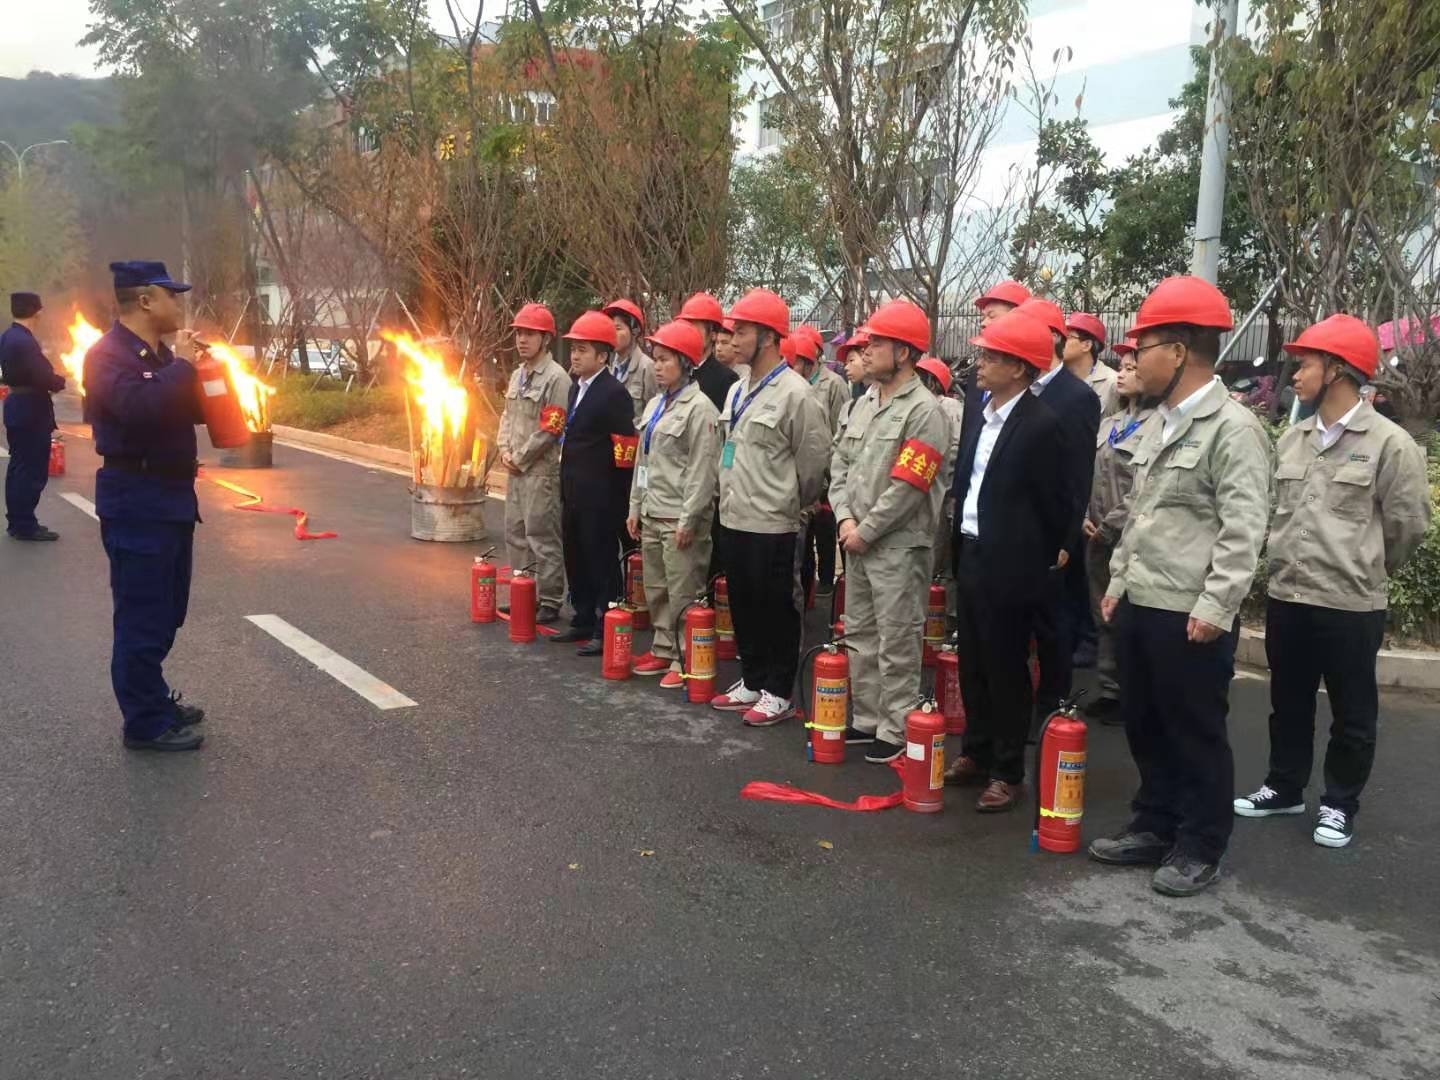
[{"x": 672, "y": 496}]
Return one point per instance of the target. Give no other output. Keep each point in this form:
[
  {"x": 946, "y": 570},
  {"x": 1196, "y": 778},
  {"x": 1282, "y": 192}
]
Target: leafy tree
[{"x": 777, "y": 221}]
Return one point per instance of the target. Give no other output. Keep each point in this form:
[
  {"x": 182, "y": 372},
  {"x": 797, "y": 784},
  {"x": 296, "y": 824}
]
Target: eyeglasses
[{"x": 1141, "y": 348}]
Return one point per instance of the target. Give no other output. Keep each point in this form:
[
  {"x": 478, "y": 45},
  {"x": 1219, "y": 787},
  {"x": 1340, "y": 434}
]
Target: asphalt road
[{"x": 533, "y": 872}]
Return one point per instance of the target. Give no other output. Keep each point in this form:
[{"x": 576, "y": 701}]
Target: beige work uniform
[
  {"x": 832, "y": 392},
  {"x": 532, "y": 499},
  {"x": 889, "y": 475},
  {"x": 1199, "y": 512},
  {"x": 781, "y": 450},
  {"x": 1106, "y": 384},
  {"x": 674, "y": 488},
  {"x": 1348, "y": 516},
  {"x": 1119, "y": 437},
  {"x": 637, "y": 374}
]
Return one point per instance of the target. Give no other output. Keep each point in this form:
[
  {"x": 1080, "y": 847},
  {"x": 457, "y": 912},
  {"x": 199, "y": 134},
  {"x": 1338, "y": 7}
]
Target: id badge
[
  {"x": 727, "y": 455},
  {"x": 642, "y": 476}
]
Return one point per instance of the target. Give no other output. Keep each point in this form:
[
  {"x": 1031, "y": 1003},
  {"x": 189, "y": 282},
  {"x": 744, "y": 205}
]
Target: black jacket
[
  {"x": 23, "y": 367},
  {"x": 1077, "y": 408},
  {"x": 715, "y": 380},
  {"x": 1024, "y": 504},
  {"x": 589, "y": 478}
]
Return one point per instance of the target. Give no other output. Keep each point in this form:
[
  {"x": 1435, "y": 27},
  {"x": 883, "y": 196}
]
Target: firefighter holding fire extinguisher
[
  {"x": 672, "y": 494},
  {"x": 890, "y": 471}
]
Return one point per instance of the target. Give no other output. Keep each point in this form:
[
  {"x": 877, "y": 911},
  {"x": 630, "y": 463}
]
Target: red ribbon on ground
[
  {"x": 255, "y": 503},
  {"x": 763, "y": 791},
  {"x": 540, "y": 628}
]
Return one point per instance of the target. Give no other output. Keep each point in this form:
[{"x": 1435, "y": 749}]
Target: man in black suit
[
  {"x": 597, "y": 453},
  {"x": 1059, "y": 618},
  {"x": 1012, "y": 510}
]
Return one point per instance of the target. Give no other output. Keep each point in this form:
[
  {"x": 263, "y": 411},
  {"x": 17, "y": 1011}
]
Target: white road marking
[
  {"x": 379, "y": 693},
  {"x": 374, "y": 466},
  {"x": 81, "y": 503}
]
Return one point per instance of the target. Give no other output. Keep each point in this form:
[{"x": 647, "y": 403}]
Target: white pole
[{"x": 1210, "y": 204}]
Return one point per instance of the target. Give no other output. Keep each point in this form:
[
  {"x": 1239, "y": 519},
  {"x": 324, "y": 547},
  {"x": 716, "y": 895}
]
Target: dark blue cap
[
  {"x": 24, "y": 305},
  {"x": 131, "y": 275}
]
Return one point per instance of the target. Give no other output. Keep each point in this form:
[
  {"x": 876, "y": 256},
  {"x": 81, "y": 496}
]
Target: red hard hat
[
  {"x": 805, "y": 341},
  {"x": 1007, "y": 292},
  {"x": 534, "y": 317},
  {"x": 702, "y": 307},
  {"x": 1047, "y": 312},
  {"x": 1345, "y": 336},
  {"x": 682, "y": 337},
  {"x": 1184, "y": 299},
  {"x": 1020, "y": 336},
  {"x": 1126, "y": 346},
  {"x": 764, "y": 308},
  {"x": 593, "y": 326},
  {"x": 858, "y": 340},
  {"x": 628, "y": 307},
  {"x": 727, "y": 325},
  {"x": 935, "y": 366},
  {"x": 1087, "y": 324},
  {"x": 808, "y": 331},
  {"x": 787, "y": 349},
  {"x": 900, "y": 320}
]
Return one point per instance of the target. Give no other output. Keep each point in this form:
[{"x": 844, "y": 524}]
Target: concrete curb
[
  {"x": 383, "y": 457},
  {"x": 1405, "y": 669}
]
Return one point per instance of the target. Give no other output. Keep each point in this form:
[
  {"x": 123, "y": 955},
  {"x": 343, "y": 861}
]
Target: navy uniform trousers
[
  {"x": 150, "y": 565},
  {"x": 26, "y": 474}
]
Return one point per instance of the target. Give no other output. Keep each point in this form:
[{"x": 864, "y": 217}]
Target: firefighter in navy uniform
[
  {"x": 29, "y": 418},
  {"x": 142, "y": 406}
]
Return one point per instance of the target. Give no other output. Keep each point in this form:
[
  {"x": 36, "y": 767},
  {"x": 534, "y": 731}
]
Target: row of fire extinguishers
[{"x": 706, "y": 634}]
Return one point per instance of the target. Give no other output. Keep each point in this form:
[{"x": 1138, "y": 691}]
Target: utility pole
[{"x": 1210, "y": 204}]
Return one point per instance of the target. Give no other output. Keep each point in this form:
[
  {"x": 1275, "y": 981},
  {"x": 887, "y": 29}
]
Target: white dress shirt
[
  {"x": 1042, "y": 381},
  {"x": 1328, "y": 435},
  {"x": 984, "y": 447},
  {"x": 1173, "y": 414},
  {"x": 584, "y": 385}
]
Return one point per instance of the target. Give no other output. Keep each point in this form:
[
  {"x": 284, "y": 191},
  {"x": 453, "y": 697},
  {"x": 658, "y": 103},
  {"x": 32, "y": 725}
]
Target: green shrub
[{"x": 297, "y": 404}]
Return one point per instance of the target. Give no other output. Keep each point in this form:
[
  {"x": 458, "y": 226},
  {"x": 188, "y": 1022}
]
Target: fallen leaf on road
[
  {"x": 574, "y": 866},
  {"x": 826, "y": 844},
  {"x": 646, "y": 854}
]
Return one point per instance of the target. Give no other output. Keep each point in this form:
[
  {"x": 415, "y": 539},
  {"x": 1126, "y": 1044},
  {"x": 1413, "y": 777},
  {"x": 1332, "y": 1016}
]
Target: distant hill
[{"x": 42, "y": 106}]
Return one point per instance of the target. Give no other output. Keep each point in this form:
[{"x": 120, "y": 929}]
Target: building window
[
  {"x": 786, "y": 20},
  {"x": 770, "y": 122}
]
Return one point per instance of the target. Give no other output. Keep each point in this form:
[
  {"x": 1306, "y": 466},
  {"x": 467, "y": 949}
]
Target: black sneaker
[
  {"x": 1184, "y": 875},
  {"x": 547, "y": 615},
  {"x": 882, "y": 751},
  {"x": 1105, "y": 710},
  {"x": 176, "y": 738},
  {"x": 1267, "y": 802},
  {"x": 36, "y": 534},
  {"x": 185, "y": 715},
  {"x": 855, "y": 737},
  {"x": 1128, "y": 848},
  {"x": 1333, "y": 828}
]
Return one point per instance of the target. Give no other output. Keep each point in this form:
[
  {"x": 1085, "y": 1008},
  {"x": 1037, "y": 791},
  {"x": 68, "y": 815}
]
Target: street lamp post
[{"x": 19, "y": 155}]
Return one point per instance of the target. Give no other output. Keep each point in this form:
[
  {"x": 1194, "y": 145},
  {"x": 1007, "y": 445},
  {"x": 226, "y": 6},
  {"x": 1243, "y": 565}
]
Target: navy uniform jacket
[
  {"x": 25, "y": 366},
  {"x": 589, "y": 479},
  {"x": 142, "y": 405}
]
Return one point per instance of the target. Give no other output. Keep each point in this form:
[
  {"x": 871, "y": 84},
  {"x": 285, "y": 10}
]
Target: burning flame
[
  {"x": 447, "y": 441},
  {"x": 82, "y": 336},
  {"x": 253, "y": 395}
]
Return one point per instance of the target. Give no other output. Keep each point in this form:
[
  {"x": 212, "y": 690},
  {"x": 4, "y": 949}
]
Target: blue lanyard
[
  {"x": 660, "y": 411},
  {"x": 736, "y": 413},
  {"x": 525, "y": 376},
  {"x": 621, "y": 372},
  {"x": 1117, "y": 436},
  {"x": 570, "y": 414}
]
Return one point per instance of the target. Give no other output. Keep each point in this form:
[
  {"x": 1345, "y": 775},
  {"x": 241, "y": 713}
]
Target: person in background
[
  {"x": 725, "y": 350},
  {"x": 672, "y": 498},
  {"x": 1084, "y": 345},
  {"x": 29, "y": 418},
  {"x": 634, "y": 370},
  {"x": 831, "y": 393},
  {"x": 851, "y": 355},
  {"x": 1120, "y": 435},
  {"x": 934, "y": 375},
  {"x": 1353, "y": 506},
  {"x": 703, "y": 312}
]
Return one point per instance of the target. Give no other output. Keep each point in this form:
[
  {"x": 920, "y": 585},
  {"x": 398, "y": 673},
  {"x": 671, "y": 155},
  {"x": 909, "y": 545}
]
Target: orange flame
[
  {"x": 82, "y": 336},
  {"x": 253, "y": 395},
  {"x": 440, "y": 446}
]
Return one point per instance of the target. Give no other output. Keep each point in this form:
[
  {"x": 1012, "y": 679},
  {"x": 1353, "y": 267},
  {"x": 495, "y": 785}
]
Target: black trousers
[
  {"x": 760, "y": 574},
  {"x": 25, "y": 476},
  {"x": 1303, "y": 645},
  {"x": 820, "y": 543},
  {"x": 1176, "y": 700},
  {"x": 592, "y": 562},
  {"x": 994, "y": 641},
  {"x": 1056, "y": 635}
]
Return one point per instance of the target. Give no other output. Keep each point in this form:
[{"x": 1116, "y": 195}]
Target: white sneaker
[
  {"x": 769, "y": 710},
  {"x": 737, "y": 699},
  {"x": 1266, "y": 803},
  {"x": 1333, "y": 827}
]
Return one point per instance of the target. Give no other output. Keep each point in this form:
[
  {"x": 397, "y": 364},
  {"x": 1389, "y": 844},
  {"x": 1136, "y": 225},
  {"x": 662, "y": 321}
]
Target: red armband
[
  {"x": 552, "y": 420},
  {"x": 625, "y": 447},
  {"x": 917, "y": 464}
]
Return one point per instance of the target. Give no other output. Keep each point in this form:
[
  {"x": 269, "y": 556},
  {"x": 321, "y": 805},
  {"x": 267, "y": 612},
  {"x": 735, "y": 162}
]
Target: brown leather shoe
[
  {"x": 963, "y": 772},
  {"x": 998, "y": 796}
]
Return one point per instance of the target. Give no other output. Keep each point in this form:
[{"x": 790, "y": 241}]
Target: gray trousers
[
  {"x": 1097, "y": 570},
  {"x": 532, "y": 533}
]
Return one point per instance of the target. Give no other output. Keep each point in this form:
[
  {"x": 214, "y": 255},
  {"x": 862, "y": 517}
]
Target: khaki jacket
[
  {"x": 891, "y": 469},
  {"x": 638, "y": 378},
  {"x": 535, "y": 391},
  {"x": 1115, "y": 471},
  {"x": 954, "y": 410},
  {"x": 832, "y": 392},
  {"x": 1103, "y": 379},
  {"x": 1348, "y": 516},
  {"x": 780, "y": 451},
  {"x": 682, "y": 465},
  {"x": 1198, "y": 515}
]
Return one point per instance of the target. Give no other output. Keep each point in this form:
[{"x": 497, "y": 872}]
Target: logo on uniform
[
  {"x": 625, "y": 447},
  {"x": 916, "y": 464},
  {"x": 1363, "y": 459},
  {"x": 552, "y": 419},
  {"x": 147, "y": 374}
]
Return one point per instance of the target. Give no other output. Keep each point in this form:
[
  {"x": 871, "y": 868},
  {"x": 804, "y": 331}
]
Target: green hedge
[{"x": 296, "y": 404}]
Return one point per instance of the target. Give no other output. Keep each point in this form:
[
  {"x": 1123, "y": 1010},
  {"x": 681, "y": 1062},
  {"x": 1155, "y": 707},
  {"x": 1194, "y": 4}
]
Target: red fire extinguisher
[
  {"x": 482, "y": 589},
  {"x": 828, "y": 700},
  {"x": 934, "y": 623},
  {"x": 724, "y": 628},
  {"x": 1060, "y": 769},
  {"x": 634, "y": 573},
  {"x": 619, "y": 633},
  {"x": 522, "y": 605},
  {"x": 947, "y": 688},
  {"x": 57, "y": 455},
  {"x": 923, "y": 777},
  {"x": 697, "y": 649},
  {"x": 218, "y": 403}
]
